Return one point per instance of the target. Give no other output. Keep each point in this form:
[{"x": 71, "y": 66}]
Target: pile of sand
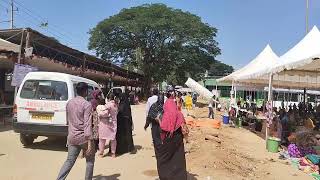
[{"x": 212, "y": 151}]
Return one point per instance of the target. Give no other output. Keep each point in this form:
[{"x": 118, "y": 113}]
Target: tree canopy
[
  {"x": 162, "y": 42},
  {"x": 219, "y": 69}
]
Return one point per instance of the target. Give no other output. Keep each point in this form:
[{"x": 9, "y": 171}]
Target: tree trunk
[
  {"x": 147, "y": 76},
  {"x": 147, "y": 86}
]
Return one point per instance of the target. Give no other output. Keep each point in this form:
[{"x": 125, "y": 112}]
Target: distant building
[{"x": 47, "y": 54}]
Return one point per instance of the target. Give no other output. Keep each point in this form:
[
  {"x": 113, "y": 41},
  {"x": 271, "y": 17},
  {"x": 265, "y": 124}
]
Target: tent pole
[
  {"x": 270, "y": 87},
  {"x": 235, "y": 93},
  {"x": 269, "y": 100},
  {"x": 304, "y": 95},
  {"x": 215, "y": 103},
  {"x": 232, "y": 86}
]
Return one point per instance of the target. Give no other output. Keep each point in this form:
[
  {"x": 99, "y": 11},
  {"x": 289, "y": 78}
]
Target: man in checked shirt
[{"x": 79, "y": 132}]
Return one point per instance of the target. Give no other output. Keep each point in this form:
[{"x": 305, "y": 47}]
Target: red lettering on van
[{"x": 34, "y": 104}]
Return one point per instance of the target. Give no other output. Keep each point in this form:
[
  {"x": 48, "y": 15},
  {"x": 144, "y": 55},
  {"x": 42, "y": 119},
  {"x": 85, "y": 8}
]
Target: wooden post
[
  {"x": 27, "y": 44},
  {"x": 83, "y": 65},
  {"x": 20, "y": 50},
  {"x": 28, "y": 39}
]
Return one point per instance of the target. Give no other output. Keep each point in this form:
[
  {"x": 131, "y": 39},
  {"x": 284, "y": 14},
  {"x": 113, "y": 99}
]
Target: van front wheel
[{"x": 26, "y": 140}]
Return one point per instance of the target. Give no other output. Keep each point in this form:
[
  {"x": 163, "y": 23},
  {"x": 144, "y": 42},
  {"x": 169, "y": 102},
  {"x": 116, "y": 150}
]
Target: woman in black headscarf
[{"x": 124, "y": 126}]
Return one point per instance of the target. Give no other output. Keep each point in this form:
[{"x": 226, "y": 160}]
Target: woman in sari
[
  {"x": 108, "y": 125},
  {"x": 170, "y": 154},
  {"x": 95, "y": 101},
  {"x": 124, "y": 126}
]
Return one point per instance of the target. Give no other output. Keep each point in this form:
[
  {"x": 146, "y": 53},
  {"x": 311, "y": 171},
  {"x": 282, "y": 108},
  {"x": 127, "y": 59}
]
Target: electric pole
[
  {"x": 11, "y": 13},
  {"x": 307, "y": 16}
]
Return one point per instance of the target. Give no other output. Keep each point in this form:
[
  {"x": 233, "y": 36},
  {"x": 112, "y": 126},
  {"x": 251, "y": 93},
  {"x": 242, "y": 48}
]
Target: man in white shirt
[
  {"x": 153, "y": 99},
  {"x": 211, "y": 102}
]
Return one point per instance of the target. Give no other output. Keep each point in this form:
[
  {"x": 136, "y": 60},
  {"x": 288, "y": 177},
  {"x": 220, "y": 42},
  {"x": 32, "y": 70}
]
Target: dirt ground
[
  {"x": 234, "y": 153},
  {"x": 239, "y": 155}
]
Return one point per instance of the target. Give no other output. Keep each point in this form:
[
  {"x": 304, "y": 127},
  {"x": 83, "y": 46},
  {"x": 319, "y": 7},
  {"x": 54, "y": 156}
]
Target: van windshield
[{"x": 44, "y": 90}]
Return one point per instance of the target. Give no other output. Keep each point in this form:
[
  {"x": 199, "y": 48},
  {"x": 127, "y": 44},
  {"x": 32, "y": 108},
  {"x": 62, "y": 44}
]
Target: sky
[{"x": 245, "y": 27}]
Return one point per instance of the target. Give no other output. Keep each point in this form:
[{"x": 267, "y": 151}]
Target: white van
[
  {"x": 120, "y": 89},
  {"x": 40, "y": 104}
]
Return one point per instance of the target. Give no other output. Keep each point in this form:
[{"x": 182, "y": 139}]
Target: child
[{"x": 188, "y": 102}]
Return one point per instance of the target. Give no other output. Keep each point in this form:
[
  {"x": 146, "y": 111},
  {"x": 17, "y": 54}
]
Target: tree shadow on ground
[
  {"x": 136, "y": 149},
  {"x": 201, "y": 105},
  {"x": 153, "y": 173},
  {"x": 111, "y": 177},
  {"x": 6, "y": 127},
  {"x": 192, "y": 176},
  {"x": 2, "y": 154},
  {"x": 51, "y": 143}
]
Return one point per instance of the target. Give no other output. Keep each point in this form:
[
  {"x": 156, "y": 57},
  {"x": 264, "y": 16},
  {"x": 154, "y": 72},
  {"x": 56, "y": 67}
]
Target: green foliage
[
  {"x": 219, "y": 69},
  {"x": 160, "y": 41}
]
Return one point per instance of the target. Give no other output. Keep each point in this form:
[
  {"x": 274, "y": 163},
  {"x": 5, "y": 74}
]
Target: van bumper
[{"x": 40, "y": 129}]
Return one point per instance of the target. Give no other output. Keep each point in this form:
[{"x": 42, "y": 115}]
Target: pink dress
[{"x": 108, "y": 121}]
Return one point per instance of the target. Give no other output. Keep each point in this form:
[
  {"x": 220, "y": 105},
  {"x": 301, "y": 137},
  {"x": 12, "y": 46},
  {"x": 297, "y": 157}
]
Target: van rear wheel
[{"x": 26, "y": 140}]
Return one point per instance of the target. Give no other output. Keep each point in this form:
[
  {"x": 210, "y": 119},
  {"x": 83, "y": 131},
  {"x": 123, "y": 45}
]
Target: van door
[{"x": 42, "y": 101}]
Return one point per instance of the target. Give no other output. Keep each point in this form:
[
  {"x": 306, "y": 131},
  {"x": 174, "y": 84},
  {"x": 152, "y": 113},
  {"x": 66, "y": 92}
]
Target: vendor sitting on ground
[{"x": 301, "y": 144}]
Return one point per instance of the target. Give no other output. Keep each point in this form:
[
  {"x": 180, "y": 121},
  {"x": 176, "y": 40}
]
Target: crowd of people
[
  {"x": 94, "y": 124},
  {"x": 287, "y": 121}
]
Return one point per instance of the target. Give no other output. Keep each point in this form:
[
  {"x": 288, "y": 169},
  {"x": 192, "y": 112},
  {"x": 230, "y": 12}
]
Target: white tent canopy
[
  {"x": 264, "y": 61},
  {"x": 298, "y": 68},
  {"x": 302, "y": 54},
  {"x": 8, "y": 46}
]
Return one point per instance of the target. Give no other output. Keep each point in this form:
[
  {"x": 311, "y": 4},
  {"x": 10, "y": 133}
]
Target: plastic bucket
[
  {"x": 239, "y": 122},
  {"x": 273, "y": 144},
  {"x": 225, "y": 119}
]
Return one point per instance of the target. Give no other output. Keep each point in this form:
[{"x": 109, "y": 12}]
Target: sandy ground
[
  {"x": 234, "y": 153},
  {"x": 240, "y": 155}
]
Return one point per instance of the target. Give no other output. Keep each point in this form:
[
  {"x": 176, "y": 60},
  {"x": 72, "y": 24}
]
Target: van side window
[
  {"x": 90, "y": 90},
  {"x": 44, "y": 90}
]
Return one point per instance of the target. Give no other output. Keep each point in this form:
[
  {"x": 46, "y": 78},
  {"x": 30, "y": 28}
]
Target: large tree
[
  {"x": 162, "y": 42},
  {"x": 219, "y": 69}
]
